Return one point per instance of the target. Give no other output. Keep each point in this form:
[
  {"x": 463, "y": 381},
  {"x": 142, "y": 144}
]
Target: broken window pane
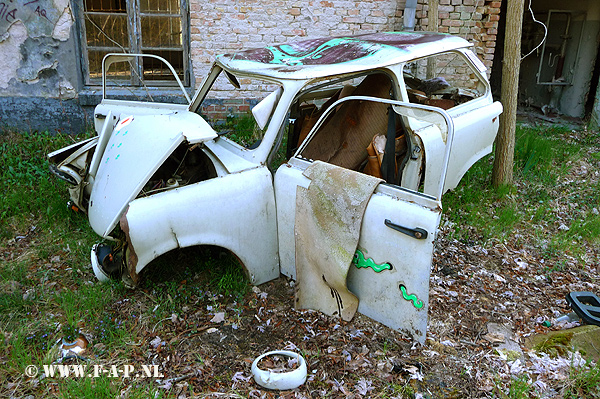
[
  {"x": 106, "y": 5},
  {"x": 107, "y": 31},
  {"x": 117, "y": 71},
  {"x": 134, "y": 26},
  {"x": 161, "y": 31},
  {"x": 156, "y": 70},
  {"x": 160, "y": 6}
]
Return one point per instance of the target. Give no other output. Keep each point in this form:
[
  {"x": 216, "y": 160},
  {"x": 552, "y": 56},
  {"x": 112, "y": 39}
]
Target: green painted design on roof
[{"x": 314, "y": 58}]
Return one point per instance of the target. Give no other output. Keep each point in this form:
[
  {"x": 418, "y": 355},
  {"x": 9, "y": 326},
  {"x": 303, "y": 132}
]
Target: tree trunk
[
  {"x": 505, "y": 142},
  {"x": 432, "y": 16}
]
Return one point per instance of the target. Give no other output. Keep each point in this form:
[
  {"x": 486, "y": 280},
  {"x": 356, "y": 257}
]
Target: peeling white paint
[
  {"x": 61, "y": 4},
  {"x": 41, "y": 17},
  {"x": 30, "y": 71},
  {"x": 30, "y": 41},
  {"x": 66, "y": 89},
  {"x": 9, "y": 48},
  {"x": 62, "y": 28}
]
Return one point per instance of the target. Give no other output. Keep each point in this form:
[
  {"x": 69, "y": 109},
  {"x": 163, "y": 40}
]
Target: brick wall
[
  {"x": 219, "y": 110},
  {"x": 474, "y": 20},
  {"x": 219, "y": 26}
]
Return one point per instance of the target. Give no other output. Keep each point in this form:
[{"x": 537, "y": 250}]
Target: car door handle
[{"x": 417, "y": 232}]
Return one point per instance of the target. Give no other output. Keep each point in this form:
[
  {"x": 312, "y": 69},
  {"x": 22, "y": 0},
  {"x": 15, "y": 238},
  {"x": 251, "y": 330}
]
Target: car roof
[{"x": 321, "y": 57}]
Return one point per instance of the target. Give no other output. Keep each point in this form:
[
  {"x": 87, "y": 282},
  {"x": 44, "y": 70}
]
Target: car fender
[{"x": 236, "y": 212}]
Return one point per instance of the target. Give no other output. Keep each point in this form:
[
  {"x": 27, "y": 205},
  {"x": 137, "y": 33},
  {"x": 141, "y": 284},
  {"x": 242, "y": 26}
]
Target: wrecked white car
[{"x": 324, "y": 160}]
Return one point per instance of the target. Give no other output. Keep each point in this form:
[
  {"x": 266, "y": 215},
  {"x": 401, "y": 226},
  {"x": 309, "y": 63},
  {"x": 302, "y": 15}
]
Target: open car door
[{"x": 392, "y": 263}]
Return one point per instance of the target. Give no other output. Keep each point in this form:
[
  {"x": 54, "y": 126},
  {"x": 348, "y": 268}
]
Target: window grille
[{"x": 135, "y": 26}]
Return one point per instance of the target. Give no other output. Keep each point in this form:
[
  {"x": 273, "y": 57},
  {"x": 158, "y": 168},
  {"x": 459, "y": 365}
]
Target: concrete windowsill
[{"x": 92, "y": 96}]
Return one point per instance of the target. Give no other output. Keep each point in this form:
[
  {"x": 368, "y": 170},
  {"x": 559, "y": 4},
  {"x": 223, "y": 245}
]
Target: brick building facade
[
  {"x": 475, "y": 20},
  {"x": 49, "y": 72},
  {"x": 220, "y": 26}
]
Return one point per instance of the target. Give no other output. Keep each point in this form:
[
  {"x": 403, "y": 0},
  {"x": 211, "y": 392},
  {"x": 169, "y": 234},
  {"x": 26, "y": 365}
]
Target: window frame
[
  {"x": 134, "y": 16},
  {"x": 471, "y": 63}
]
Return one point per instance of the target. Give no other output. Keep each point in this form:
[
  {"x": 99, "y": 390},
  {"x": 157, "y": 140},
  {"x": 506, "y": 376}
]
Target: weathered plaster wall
[{"x": 38, "y": 66}]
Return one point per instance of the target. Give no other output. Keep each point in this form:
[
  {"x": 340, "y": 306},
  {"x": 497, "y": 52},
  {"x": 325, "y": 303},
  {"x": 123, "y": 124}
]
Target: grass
[
  {"x": 29, "y": 187},
  {"x": 244, "y": 131},
  {"x": 47, "y": 286},
  {"x": 520, "y": 388},
  {"x": 583, "y": 383},
  {"x": 561, "y": 216},
  {"x": 46, "y": 282}
]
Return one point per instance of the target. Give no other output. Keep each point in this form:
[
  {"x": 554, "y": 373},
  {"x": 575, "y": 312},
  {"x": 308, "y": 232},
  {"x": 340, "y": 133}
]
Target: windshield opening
[{"x": 239, "y": 108}]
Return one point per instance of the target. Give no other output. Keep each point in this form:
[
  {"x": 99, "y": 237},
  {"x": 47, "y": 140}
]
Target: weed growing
[
  {"x": 584, "y": 382},
  {"x": 29, "y": 187},
  {"x": 241, "y": 129},
  {"x": 46, "y": 281},
  {"x": 520, "y": 387},
  {"x": 547, "y": 200},
  {"x": 48, "y": 291}
]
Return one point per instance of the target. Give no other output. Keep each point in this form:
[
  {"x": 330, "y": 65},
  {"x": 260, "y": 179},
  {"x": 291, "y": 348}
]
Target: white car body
[{"x": 239, "y": 204}]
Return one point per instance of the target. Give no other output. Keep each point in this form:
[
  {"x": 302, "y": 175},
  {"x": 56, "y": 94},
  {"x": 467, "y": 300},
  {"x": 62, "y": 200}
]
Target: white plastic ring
[
  {"x": 281, "y": 381},
  {"x": 97, "y": 267}
]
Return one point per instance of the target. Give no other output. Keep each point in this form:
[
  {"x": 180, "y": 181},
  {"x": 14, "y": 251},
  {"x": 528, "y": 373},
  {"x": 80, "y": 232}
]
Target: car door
[
  {"x": 390, "y": 274},
  {"x": 464, "y": 91}
]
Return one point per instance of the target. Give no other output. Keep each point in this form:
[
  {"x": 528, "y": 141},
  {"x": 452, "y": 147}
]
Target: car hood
[{"x": 138, "y": 146}]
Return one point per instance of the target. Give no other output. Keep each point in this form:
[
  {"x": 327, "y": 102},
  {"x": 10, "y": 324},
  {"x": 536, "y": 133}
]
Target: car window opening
[
  {"x": 354, "y": 135},
  {"x": 442, "y": 80},
  {"x": 229, "y": 103}
]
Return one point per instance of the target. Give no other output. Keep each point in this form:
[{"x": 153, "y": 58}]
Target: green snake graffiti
[
  {"x": 359, "y": 261},
  {"x": 412, "y": 297}
]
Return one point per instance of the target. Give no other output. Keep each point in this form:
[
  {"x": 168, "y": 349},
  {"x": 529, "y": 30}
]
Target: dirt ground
[
  {"x": 208, "y": 348},
  {"x": 486, "y": 302}
]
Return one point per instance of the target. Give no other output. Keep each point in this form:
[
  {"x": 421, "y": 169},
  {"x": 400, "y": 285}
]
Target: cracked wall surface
[
  {"x": 40, "y": 68},
  {"x": 38, "y": 65},
  {"x": 34, "y": 36}
]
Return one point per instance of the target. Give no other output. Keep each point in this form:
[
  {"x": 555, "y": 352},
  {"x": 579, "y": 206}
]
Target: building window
[{"x": 135, "y": 26}]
